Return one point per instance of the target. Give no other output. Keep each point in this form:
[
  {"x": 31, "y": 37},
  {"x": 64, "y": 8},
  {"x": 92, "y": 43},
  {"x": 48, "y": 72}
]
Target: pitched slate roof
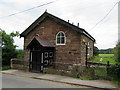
[
  {"x": 42, "y": 42},
  {"x": 46, "y": 14}
]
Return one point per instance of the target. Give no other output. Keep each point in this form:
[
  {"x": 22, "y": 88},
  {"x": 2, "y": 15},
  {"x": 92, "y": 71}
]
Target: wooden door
[{"x": 36, "y": 61}]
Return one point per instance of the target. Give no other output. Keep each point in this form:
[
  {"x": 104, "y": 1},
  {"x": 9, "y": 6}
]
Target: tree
[
  {"x": 8, "y": 47},
  {"x": 20, "y": 53},
  {"x": 95, "y": 51},
  {"x": 106, "y": 51},
  {"x": 117, "y": 52}
]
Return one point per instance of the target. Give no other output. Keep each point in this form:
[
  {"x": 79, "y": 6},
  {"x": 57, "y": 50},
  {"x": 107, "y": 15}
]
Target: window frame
[
  {"x": 60, "y": 38},
  {"x": 88, "y": 48}
]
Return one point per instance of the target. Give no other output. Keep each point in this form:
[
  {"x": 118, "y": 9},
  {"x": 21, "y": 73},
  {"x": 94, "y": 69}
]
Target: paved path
[
  {"x": 62, "y": 79},
  {"x": 12, "y": 81}
]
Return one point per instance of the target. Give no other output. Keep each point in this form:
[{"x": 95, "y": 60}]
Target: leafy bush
[
  {"x": 117, "y": 52},
  {"x": 95, "y": 51},
  {"x": 88, "y": 73},
  {"x": 6, "y": 67},
  {"x": 101, "y": 71},
  {"x": 8, "y": 47},
  {"x": 114, "y": 72},
  {"x": 20, "y": 54}
]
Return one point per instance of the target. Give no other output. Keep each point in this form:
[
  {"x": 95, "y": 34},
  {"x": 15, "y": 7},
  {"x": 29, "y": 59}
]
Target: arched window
[{"x": 60, "y": 38}]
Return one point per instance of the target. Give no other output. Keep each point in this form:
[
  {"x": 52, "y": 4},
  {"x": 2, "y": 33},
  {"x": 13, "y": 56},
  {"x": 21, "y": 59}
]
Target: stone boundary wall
[
  {"x": 19, "y": 64},
  {"x": 74, "y": 70}
]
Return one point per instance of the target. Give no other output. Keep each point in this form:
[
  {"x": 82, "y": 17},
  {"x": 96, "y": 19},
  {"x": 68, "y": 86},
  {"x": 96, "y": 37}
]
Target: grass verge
[
  {"x": 103, "y": 58},
  {"x": 5, "y": 68}
]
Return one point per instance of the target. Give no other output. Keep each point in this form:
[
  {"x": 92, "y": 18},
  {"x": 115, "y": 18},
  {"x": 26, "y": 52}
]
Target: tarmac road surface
[{"x": 12, "y": 81}]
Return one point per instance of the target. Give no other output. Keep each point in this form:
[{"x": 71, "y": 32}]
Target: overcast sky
[{"x": 86, "y": 12}]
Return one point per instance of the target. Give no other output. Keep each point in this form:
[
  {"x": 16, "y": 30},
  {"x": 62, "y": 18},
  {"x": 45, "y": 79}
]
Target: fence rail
[
  {"x": 101, "y": 69},
  {"x": 99, "y": 64}
]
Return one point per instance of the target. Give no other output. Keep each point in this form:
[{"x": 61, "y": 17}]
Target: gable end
[{"x": 44, "y": 15}]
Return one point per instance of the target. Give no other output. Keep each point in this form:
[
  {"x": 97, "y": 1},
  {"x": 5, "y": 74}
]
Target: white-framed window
[
  {"x": 46, "y": 54},
  {"x": 60, "y": 38},
  {"x": 88, "y": 48}
]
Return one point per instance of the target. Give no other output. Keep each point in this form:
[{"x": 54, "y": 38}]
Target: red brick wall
[{"x": 71, "y": 53}]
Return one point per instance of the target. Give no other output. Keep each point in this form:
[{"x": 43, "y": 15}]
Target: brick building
[{"x": 53, "y": 42}]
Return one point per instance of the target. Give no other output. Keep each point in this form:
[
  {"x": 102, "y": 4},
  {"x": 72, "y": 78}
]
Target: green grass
[
  {"x": 5, "y": 68},
  {"x": 101, "y": 71},
  {"x": 106, "y": 55},
  {"x": 105, "y": 58}
]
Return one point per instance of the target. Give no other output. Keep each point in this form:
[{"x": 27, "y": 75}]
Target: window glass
[
  {"x": 59, "y": 34},
  {"x": 60, "y": 38},
  {"x": 62, "y": 34}
]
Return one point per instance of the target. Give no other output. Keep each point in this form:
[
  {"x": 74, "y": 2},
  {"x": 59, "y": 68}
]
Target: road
[{"x": 12, "y": 81}]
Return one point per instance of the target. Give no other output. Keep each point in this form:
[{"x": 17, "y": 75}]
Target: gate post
[
  {"x": 86, "y": 55},
  {"x": 107, "y": 67}
]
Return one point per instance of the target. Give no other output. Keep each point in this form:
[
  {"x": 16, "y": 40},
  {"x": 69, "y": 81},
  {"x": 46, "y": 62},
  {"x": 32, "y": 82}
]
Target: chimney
[
  {"x": 46, "y": 10},
  {"x": 68, "y": 21},
  {"x": 78, "y": 24},
  {"x": 73, "y": 23}
]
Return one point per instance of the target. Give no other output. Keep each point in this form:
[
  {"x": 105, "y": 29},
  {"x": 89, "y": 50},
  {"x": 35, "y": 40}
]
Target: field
[{"x": 103, "y": 58}]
